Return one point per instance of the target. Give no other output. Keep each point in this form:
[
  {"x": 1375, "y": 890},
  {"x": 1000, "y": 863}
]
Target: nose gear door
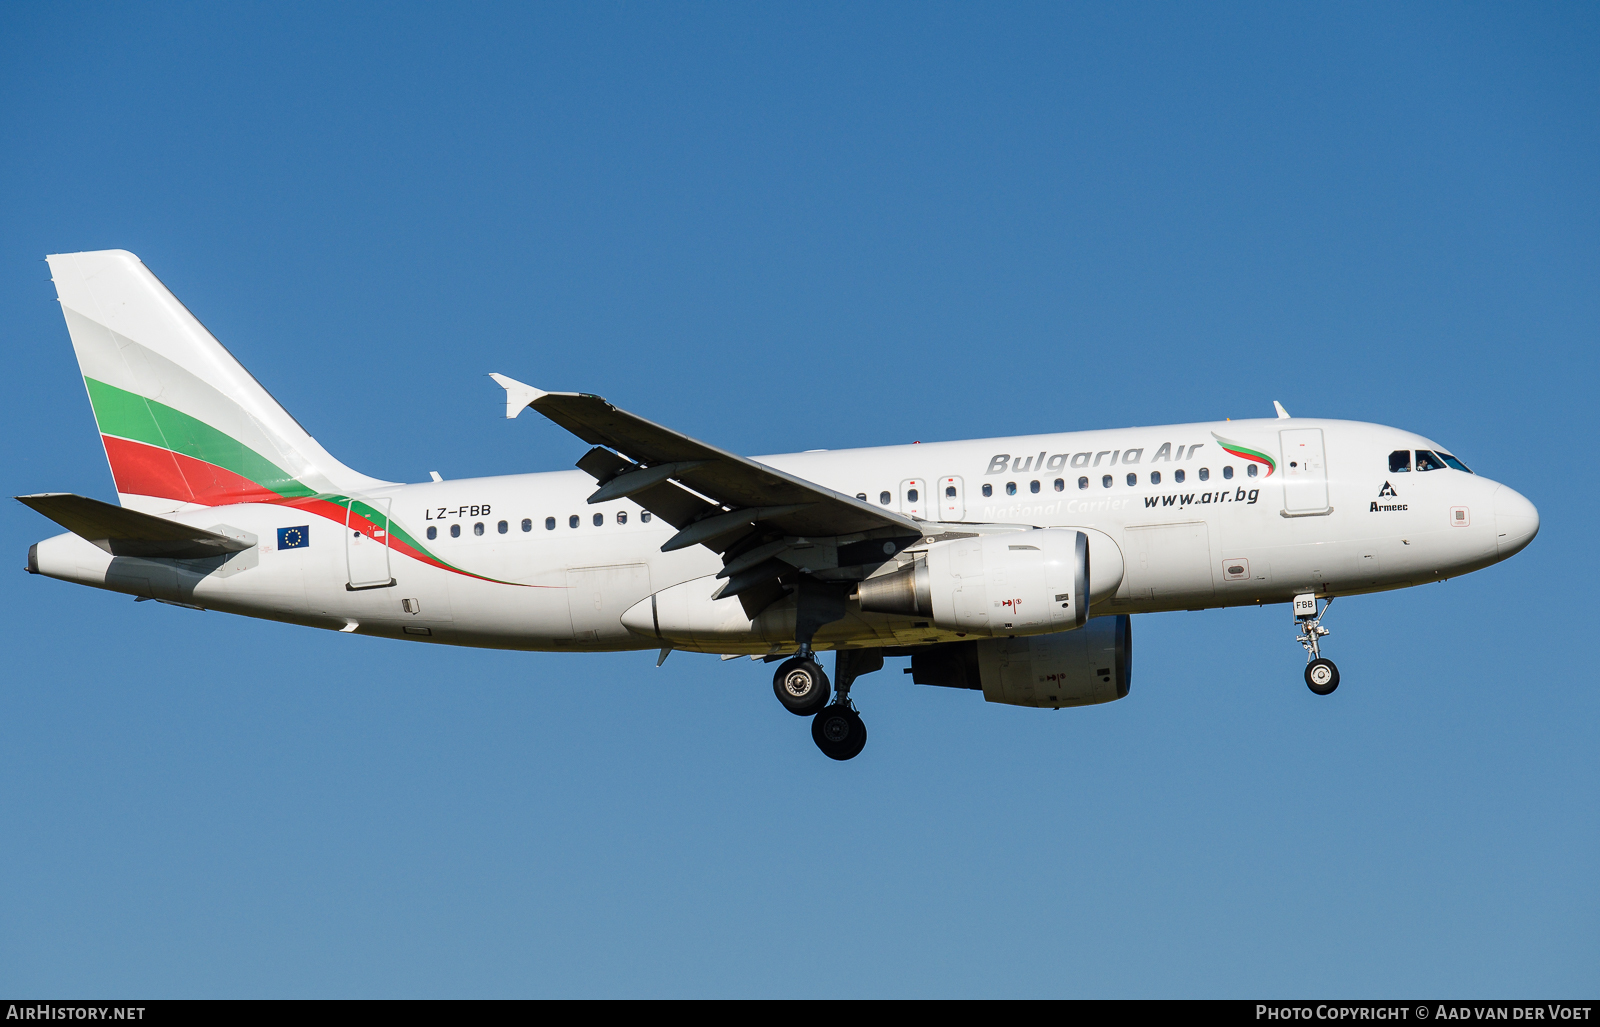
[{"x": 1305, "y": 472}]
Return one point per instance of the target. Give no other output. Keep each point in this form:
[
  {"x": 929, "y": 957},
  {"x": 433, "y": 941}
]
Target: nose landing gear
[{"x": 1322, "y": 677}]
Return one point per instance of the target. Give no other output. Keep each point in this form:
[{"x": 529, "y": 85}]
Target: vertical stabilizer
[{"x": 183, "y": 423}]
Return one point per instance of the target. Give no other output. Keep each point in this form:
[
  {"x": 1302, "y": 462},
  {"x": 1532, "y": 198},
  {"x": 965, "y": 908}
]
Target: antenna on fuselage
[{"x": 1282, "y": 413}]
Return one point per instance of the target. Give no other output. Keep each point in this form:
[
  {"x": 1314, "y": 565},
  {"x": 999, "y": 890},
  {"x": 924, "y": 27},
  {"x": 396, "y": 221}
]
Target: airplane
[{"x": 1010, "y": 566}]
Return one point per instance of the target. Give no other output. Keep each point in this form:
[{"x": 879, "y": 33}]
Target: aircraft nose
[{"x": 1516, "y": 521}]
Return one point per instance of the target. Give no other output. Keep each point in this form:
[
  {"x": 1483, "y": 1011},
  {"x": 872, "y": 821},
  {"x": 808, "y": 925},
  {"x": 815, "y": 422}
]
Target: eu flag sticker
[{"x": 294, "y": 538}]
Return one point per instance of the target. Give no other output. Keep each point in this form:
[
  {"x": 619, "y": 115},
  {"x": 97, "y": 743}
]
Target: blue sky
[{"x": 784, "y": 228}]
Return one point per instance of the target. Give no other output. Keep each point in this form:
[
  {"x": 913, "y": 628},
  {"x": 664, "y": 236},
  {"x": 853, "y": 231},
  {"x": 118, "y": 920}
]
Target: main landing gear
[
  {"x": 802, "y": 688},
  {"x": 801, "y": 685},
  {"x": 839, "y": 732},
  {"x": 1322, "y": 677}
]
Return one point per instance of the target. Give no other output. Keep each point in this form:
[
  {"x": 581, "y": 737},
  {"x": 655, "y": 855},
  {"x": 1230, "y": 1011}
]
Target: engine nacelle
[
  {"x": 1071, "y": 668},
  {"x": 1017, "y": 583}
]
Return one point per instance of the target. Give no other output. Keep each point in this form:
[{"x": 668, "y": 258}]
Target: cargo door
[
  {"x": 1305, "y": 472},
  {"x": 1169, "y": 561},
  {"x": 366, "y": 544}
]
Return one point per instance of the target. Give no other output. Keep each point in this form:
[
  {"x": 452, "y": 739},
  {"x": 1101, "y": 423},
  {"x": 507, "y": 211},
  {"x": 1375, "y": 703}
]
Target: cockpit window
[
  {"x": 1400, "y": 460},
  {"x": 1453, "y": 462},
  {"x": 1427, "y": 461}
]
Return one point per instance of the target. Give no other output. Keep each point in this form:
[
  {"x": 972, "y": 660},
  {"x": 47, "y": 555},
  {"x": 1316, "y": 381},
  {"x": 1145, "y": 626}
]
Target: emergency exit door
[
  {"x": 952, "y": 500},
  {"x": 1305, "y": 472},
  {"x": 914, "y": 499},
  {"x": 366, "y": 544}
]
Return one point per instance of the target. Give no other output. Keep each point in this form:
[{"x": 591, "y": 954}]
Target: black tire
[
  {"x": 1322, "y": 677},
  {"x": 801, "y": 686},
  {"x": 839, "y": 732}
]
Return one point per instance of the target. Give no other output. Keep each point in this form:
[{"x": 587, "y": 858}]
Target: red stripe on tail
[{"x": 145, "y": 470}]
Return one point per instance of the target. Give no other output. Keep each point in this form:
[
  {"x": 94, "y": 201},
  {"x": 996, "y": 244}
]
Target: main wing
[{"x": 767, "y": 524}]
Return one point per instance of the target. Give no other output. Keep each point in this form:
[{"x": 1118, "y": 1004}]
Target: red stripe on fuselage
[{"x": 336, "y": 513}]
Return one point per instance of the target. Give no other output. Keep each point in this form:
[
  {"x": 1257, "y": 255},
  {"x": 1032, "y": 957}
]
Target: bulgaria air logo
[{"x": 1246, "y": 453}]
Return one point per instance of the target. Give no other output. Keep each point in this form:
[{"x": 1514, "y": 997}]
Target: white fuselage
[{"x": 1211, "y": 540}]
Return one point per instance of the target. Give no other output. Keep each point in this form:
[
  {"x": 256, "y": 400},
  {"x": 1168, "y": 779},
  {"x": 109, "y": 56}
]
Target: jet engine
[
  {"x": 1070, "y": 668},
  {"x": 1016, "y": 583}
]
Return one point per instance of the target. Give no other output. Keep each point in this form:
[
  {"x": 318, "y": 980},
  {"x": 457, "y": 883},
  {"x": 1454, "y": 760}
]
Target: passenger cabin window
[
  {"x": 949, "y": 492},
  {"x": 1033, "y": 486},
  {"x": 599, "y": 519},
  {"x": 477, "y": 529},
  {"x": 549, "y": 524},
  {"x": 1250, "y": 472},
  {"x": 1427, "y": 461},
  {"x": 572, "y": 522},
  {"x": 1133, "y": 479},
  {"x": 1061, "y": 485},
  {"x": 433, "y": 532},
  {"x": 455, "y": 531},
  {"x": 1155, "y": 477},
  {"x": 527, "y": 524},
  {"x": 861, "y": 496},
  {"x": 1205, "y": 474},
  {"x": 988, "y": 490},
  {"x": 502, "y": 527},
  {"x": 883, "y": 498},
  {"x": 1400, "y": 461},
  {"x": 1011, "y": 488},
  {"x": 1105, "y": 482},
  {"x": 1083, "y": 483},
  {"x": 1453, "y": 462},
  {"x": 911, "y": 495},
  {"x": 622, "y": 517},
  {"x": 645, "y": 517},
  {"x": 1227, "y": 472},
  {"x": 1177, "y": 476}
]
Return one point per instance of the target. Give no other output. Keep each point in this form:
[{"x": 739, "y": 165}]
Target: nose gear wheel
[{"x": 1322, "y": 676}]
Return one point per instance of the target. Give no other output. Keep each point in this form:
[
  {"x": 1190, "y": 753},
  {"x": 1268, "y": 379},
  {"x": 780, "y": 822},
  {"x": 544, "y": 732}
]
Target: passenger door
[{"x": 1305, "y": 472}]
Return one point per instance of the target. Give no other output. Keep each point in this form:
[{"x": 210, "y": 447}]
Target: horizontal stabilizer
[{"x": 123, "y": 532}]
